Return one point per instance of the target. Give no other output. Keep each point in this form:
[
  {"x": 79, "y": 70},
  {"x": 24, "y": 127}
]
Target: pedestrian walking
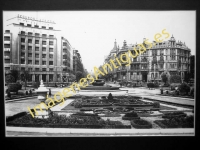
[
  {"x": 50, "y": 92},
  {"x": 30, "y": 92}
]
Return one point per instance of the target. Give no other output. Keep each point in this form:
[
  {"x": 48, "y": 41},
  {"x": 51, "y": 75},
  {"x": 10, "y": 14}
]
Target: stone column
[{"x": 33, "y": 77}]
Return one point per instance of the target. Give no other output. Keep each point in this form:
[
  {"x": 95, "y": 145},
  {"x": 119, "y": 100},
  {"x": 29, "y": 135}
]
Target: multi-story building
[
  {"x": 77, "y": 62},
  {"x": 35, "y": 45},
  {"x": 168, "y": 56}
]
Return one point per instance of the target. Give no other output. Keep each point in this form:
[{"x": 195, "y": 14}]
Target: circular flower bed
[
  {"x": 130, "y": 116},
  {"x": 141, "y": 124}
]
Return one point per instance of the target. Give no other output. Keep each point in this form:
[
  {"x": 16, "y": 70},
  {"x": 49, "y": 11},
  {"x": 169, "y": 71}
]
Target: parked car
[{"x": 99, "y": 82}]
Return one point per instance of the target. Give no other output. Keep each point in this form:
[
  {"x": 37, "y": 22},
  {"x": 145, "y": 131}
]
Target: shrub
[
  {"x": 14, "y": 87},
  {"x": 174, "y": 85},
  {"x": 184, "y": 88},
  {"x": 164, "y": 77},
  {"x": 77, "y": 105},
  {"x": 110, "y": 97},
  {"x": 150, "y": 85},
  {"x": 175, "y": 79},
  {"x": 156, "y": 105},
  {"x": 132, "y": 114},
  {"x": 141, "y": 124}
]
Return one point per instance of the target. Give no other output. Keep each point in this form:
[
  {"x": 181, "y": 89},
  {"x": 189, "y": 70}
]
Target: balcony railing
[
  {"x": 7, "y": 49},
  {"x": 7, "y": 57}
]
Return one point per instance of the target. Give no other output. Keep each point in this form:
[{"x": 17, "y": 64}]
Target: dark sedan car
[{"x": 99, "y": 82}]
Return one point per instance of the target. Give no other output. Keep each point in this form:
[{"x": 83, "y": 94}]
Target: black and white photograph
[{"x": 99, "y": 73}]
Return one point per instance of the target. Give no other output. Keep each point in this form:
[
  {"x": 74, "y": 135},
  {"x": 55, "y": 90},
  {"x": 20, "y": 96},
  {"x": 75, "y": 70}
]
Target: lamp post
[{"x": 154, "y": 71}]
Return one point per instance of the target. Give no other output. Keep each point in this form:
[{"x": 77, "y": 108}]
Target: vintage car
[{"x": 99, "y": 82}]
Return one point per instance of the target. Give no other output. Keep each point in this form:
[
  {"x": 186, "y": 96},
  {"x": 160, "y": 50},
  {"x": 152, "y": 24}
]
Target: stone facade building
[
  {"x": 169, "y": 56},
  {"x": 35, "y": 45}
]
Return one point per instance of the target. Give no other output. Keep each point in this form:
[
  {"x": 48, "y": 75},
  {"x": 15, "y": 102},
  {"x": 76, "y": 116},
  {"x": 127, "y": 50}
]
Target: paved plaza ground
[{"x": 16, "y": 106}]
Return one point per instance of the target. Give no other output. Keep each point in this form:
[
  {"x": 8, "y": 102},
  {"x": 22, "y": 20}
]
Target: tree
[
  {"x": 79, "y": 75},
  {"x": 25, "y": 75},
  {"x": 15, "y": 74},
  {"x": 9, "y": 79},
  {"x": 164, "y": 77},
  {"x": 186, "y": 77}
]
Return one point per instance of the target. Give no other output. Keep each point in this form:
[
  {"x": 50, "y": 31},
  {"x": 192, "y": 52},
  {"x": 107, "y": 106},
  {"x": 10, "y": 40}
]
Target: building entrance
[
  {"x": 144, "y": 76},
  {"x": 44, "y": 77}
]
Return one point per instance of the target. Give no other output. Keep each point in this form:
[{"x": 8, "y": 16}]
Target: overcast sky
[{"x": 93, "y": 32}]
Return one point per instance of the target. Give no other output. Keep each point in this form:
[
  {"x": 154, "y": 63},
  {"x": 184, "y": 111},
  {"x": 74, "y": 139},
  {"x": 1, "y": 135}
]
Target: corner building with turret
[{"x": 172, "y": 57}]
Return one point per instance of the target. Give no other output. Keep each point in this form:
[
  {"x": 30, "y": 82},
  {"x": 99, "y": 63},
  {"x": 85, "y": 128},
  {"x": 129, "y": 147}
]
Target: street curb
[
  {"x": 20, "y": 99},
  {"x": 190, "y": 99},
  {"x": 152, "y": 99},
  {"x": 131, "y": 132}
]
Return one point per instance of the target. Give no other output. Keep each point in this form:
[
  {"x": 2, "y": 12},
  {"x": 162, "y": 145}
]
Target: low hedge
[
  {"x": 14, "y": 87},
  {"x": 130, "y": 118},
  {"x": 177, "y": 122},
  {"x": 141, "y": 124},
  {"x": 96, "y": 105},
  {"x": 173, "y": 115},
  {"x": 18, "y": 115}
]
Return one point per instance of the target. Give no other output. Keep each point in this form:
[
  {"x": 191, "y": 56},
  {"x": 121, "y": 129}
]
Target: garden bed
[
  {"x": 174, "y": 114},
  {"x": 179, "y": 122},
  {"x": 55, "y": 121},
  {"x": 141, "y": 124}
]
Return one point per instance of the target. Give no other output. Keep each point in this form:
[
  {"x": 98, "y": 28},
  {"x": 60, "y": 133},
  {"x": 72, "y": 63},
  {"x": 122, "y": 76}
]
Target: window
[
  {"x": 6, "y": 38},
  {"x": 22, "y": 24},
  {"x": 36, "y": 48},
  {"x": 43, "y": 69},
  {"x": 23, "y": 40},
  {"x": 43, "y": 62},
  {"x": 64, "y": 44},
  {"x": 7, "y": 31},
  {"x": 37, "y": 62},
  {"x": 29, "y": 61},
  {"x": 22, "y": 55},
  {"x": 36, "y": 26},
  {"x": 36, "y": 55},
  {"x": 44, "y": 49},
  {"x": 29, "y": 47},
  {"x": 37, "y": 34},
  {"x": 43, "y": 55},
  {"x": 29, "y": 40},
  {"x": 44, "y": 35},
  {"x": 50, "y": 42},
  {"x": 22, "y": 61},
  {"x": 50, "y": 62},
  {"x": 28, "y": 25},
  {"x": 29, "y": 69},
  {"x": 44, "y": 43},
  {"x": 50, "y": 55},
  {"x": 22, "y": 33},
  {"x": 50, "y": 49},
  {"x": 29, "y": 54},
  {"x": 37, "y": 69},
  {"x": 22, "y": 47},
  {"x": 36, "y": 41},
  {"x": 50, "y": 69},
  {"x": 30, "y": 33},
  {"x": 51, "y": 36},
  {"x": 6, "y": 45},
  {"x": 43, "y": 27},
  {"x": 7, "y": 61},
  {"x": 51, "y": 28}
]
